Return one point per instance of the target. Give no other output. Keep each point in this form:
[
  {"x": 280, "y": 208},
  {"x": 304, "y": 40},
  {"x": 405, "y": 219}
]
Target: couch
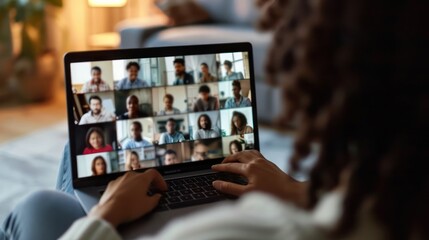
[{"x": 230, "y": 21}]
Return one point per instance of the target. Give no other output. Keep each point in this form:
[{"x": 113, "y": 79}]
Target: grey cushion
[
  {"x": 217, "y": 33},
  {"x": 243, "y": 12}
]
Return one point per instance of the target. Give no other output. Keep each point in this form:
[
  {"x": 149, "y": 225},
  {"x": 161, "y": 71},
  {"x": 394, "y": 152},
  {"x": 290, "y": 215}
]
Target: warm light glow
[{"x": 107, "y": 3}]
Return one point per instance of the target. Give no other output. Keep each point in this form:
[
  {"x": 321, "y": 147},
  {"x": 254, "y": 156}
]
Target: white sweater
[{"x": 254, "y": 216}]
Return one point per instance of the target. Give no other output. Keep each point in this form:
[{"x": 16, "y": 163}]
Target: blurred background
[{"x": 35, "y": 34}]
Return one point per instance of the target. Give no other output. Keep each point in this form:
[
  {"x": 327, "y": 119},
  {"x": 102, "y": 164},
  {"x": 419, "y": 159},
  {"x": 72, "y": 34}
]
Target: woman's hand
[
  {"x": 126, "y": 198},
  {"x": 261, "y": 174}
]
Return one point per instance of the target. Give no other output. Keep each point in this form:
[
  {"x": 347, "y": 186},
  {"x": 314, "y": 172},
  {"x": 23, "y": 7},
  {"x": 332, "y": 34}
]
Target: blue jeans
[{"x": 45, "y": 214}]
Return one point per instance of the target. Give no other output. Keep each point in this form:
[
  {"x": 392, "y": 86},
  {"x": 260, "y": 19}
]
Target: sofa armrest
[{"x": 134, "y": 32}]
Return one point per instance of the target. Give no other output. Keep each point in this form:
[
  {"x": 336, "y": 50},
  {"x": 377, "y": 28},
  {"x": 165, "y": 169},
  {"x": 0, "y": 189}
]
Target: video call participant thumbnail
[
  {"x": 206, "y": 76},
  {"x": 95, "y": 142},
  {"x": 235, "y": 147},
  {"x": 205, "y": 102},
  {"x": 170, "y": 157},
  {"x": 200, "y": 151},
  {"x": 168, "y": 106},
  {"x": 237, "y": 100},
  {"x": 171, "y": 136},
  {"x": 230, "y": 75},
  {"x": 182, "y": 77},
  {"x": 132, "y": 161},
  {"x": 96, "y": 84},
  {"x": 136, "y": 140},
  {"x": 205, "y": 128},
  {"x": 96, "y": 113},
  {"x": 98, "y": 166},
  {"x": 133, "y": 110},
  {"x": 132, "y": 81},
  {"x": 239, "y": 124}
]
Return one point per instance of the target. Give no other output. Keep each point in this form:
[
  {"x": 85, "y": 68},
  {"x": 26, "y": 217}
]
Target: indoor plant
[{"x": 29, "y": 72}]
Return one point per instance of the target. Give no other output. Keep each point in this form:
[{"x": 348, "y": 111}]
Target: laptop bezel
[{"x": 106, "y": 55}]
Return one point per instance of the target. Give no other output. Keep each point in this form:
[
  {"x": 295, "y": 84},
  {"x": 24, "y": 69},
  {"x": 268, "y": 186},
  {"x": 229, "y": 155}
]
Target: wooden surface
[{"x": 17, "y": 121}]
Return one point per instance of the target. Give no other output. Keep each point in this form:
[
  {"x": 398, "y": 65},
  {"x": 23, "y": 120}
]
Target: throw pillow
[{"x": 183, "y": 12}]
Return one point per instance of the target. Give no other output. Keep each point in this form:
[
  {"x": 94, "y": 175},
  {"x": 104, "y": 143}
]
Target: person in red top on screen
[{"x": 95, "y": 142}]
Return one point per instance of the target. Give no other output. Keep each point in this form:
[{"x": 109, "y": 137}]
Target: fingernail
[{"x": 216, "y": 183}]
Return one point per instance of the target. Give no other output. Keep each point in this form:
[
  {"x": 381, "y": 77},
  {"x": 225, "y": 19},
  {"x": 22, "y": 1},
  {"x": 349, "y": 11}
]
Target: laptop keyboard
[
  {"x": 195, "y": 190},
  {"x": 190, "y": 191}
]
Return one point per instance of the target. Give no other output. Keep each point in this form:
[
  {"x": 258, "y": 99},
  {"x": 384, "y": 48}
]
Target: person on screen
[
  {"x": 96, "y": 113},
  {"x": 95, "y": 142},
  {"x": 205, "y": 102},
  {"x": 98, "y": 166},
  {"x": 170, "y": 157},
  {"x": 205, "y": 74},
  {"x": 168, "y": 106},
  {"x": 96, "y": 84},
  {"x": 235, "y": 147},
  {"x": 133, "y": 161},
  {"x": 200, "y": 151},
  {"x": 230, "y": 75},
  {"x": 136, "y": 140},
  {"x": 132, "y": 81},
  {"x": 237, "y": 100},
  {"x": 171, "y": 136},
  {"x": 133, "y": 110},
  {"x": 182, "y": 77},
  {"x": 205, "y": 128},
  {"x": 239, "y": 124}
]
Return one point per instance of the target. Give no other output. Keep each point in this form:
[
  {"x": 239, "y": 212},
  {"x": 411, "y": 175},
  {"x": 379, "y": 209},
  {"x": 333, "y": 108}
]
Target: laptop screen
[{"x": 136, "y": 109}]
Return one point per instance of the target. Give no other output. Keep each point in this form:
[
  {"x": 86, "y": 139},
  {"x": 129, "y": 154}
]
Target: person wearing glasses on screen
[
  {"x": 136, "y": 140},
  {"x": 205, "y": 102},
  {"x": 96, "y": 113},
  {"x": 182, "y": 77},
  {"x": 237, "y": 100},
  {"x": 171, "y": 136},
  {"x": 200, "y": 151},
  {"x": 133, "y": 110},
  {"x": 96, "y": 84},
  {"x": 230, "y": 75},
  {"x": 168, "y": 106},
  {"x": 205, "y": 128},
  {"x": 132, "y": 81}
]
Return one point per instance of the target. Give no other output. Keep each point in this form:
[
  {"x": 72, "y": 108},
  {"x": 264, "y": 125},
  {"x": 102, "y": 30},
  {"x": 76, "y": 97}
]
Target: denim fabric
[
  {"x": 43, "y": 215},
  {"x": 64, "y": 178}
]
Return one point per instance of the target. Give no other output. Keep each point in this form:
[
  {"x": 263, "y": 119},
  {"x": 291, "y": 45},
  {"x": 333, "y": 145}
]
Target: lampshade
[{"x": 107, "y": 3}]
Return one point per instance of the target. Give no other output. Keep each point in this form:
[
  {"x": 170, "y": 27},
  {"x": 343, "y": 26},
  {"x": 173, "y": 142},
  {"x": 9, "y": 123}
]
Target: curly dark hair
[
  {"x": 243, "y": 120},
  {"x": 208, "y": 119},
  {"x": 357, "y": 82},
  {"x": 135, "y": 64}
]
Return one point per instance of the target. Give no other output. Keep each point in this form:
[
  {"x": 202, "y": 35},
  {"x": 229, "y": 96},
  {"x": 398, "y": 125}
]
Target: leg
[
  {"x": 42, "y": 215},
  {"x": 64, "y": 178}
]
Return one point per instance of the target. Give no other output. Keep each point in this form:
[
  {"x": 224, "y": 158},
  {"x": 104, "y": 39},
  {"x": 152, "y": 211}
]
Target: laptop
[{"x": 177, "y": 109}]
